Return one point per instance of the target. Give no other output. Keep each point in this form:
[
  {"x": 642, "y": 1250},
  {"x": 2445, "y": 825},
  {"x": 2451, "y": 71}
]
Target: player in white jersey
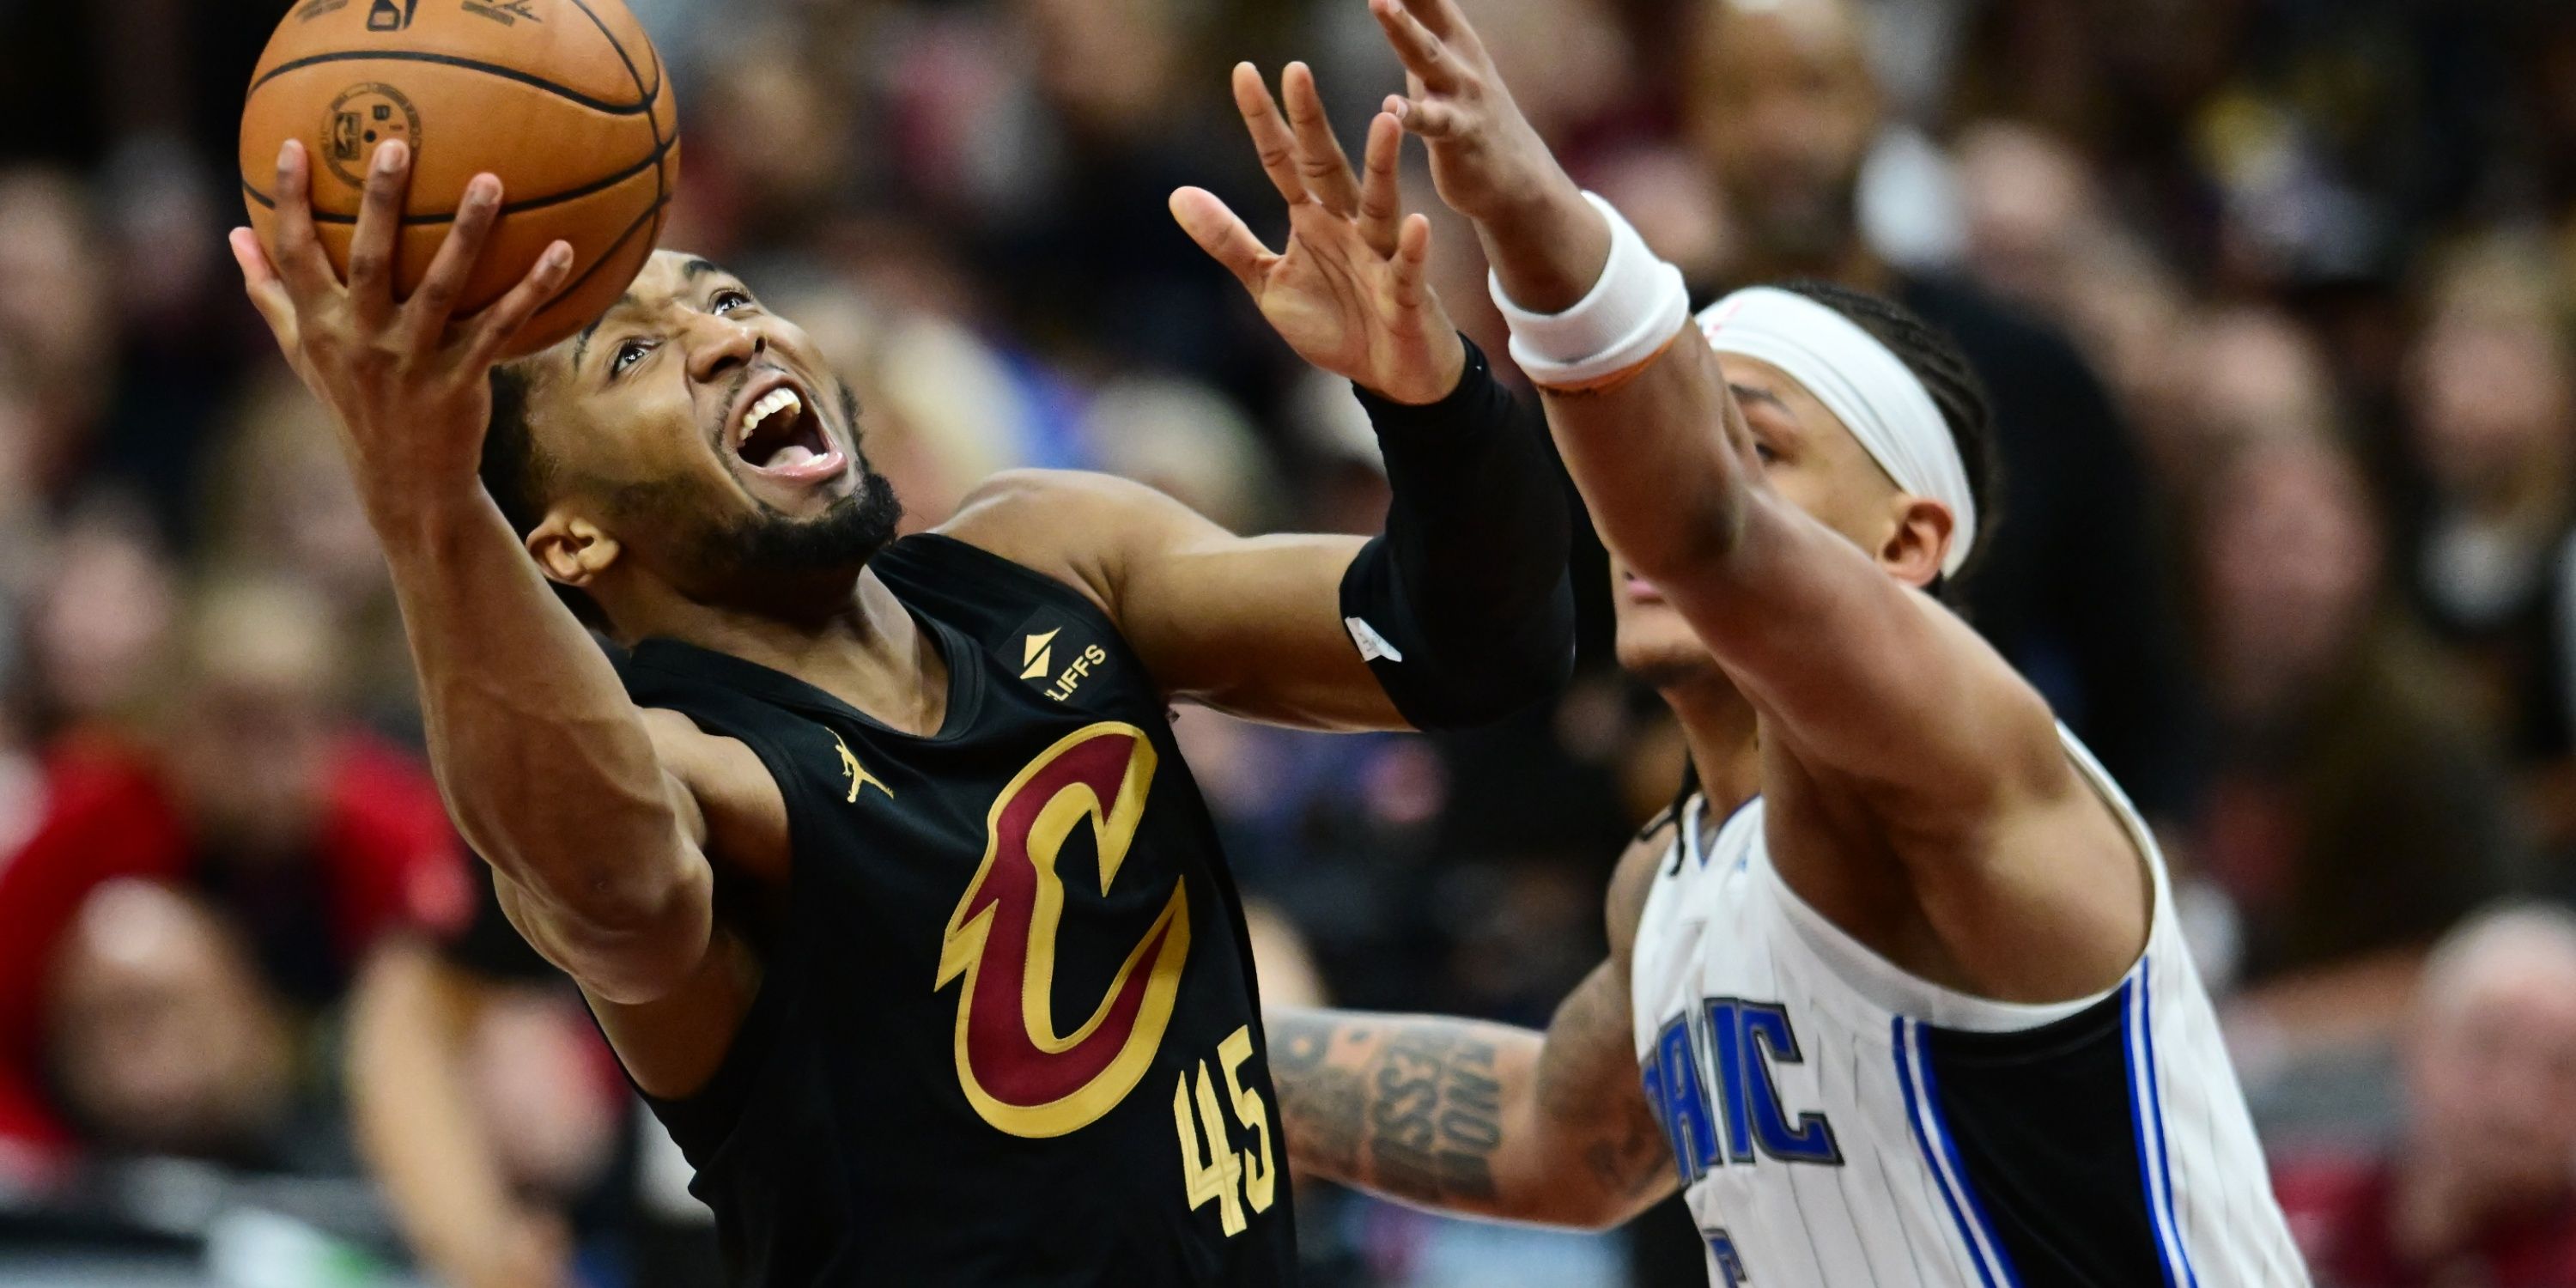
[{"x": 1900, "y": 998}]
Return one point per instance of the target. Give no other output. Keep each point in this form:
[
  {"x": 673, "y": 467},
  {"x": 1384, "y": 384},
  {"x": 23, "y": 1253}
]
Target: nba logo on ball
[
  {"x": 362, "y": 117},
  {"x": 564, "y": 100}
]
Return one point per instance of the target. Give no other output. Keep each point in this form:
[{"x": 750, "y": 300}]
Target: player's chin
[{"x": 1658, "y": 648}]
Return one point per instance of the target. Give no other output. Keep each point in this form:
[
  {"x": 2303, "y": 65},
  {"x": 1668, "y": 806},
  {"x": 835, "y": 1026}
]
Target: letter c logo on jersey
[{"x": 1021, "y": 1074}]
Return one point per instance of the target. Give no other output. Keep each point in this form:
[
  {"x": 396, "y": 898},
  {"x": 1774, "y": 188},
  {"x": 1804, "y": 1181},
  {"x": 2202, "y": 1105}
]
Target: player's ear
[
  {"x": 571, "y": 550},
  {"x": 1919, "y": 542}
]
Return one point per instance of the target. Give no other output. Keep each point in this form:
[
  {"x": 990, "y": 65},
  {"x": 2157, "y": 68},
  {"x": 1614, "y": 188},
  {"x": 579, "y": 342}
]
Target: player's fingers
[
  {"x": 1413, "y": 263},
  {"x": 1320, "y": 159},
  {"x": 1443, "y": 18},
  {"x": 1381, "y": 198},
  {"x": 433, "y": 302},
  {"x": 1220, "y": 232},
  {"x": 260, "y": 282},
  {"x": 1429, "y": 119},
  {"x": 299, "y": 258},
  {"x": 1415, "y": 46},
  {"x": 372, "y": 246},
  {"x": 1270, "y": 135},
  {"x": 487, "y": 332}
]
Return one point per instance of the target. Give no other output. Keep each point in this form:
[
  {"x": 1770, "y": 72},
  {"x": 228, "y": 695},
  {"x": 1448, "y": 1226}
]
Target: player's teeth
[{"x": 770, "y": 404}]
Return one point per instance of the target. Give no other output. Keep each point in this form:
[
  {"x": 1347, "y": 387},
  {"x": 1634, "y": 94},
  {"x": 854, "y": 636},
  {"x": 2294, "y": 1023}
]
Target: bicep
[
  {"x": 1247, "y": 625},
  {"x": 1253, "y": 626},
  {"x": 722, "y": 801},
  {"x": 1588, "y": 1098}
]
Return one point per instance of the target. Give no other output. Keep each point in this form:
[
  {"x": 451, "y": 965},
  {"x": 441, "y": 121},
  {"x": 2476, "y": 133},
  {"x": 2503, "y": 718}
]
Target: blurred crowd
[{"x": 2273, "y": 298}]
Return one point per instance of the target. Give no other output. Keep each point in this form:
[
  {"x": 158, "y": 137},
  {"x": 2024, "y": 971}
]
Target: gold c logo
[{"x": 1020, "y": 1073}]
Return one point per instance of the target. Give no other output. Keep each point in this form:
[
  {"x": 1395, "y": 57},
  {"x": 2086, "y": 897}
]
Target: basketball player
[
  {"x": 1897, "y": 997},
  {"x": 876, "y": 859}
]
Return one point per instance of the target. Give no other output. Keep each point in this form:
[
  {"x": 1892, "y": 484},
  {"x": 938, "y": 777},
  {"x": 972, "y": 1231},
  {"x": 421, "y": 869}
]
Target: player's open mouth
[
  {"x": 1642, "y": 591},
  {"x": 779, "y": 433}
]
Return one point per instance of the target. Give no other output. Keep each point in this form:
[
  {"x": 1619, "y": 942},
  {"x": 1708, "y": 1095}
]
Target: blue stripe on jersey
[
  {"x": 2147, "y": 1116},
  {"x": 1924, "y": 1118}
]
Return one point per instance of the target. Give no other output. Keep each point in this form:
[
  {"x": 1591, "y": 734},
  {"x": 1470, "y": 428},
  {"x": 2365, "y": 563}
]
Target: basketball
[{"x": 564, "y": 100}]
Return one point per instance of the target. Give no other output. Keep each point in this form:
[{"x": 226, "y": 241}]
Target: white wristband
[{"x": 1629, "y": 315}]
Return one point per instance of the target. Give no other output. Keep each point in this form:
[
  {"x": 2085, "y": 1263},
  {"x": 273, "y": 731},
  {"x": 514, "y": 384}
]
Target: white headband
[{"x": 1863, "y": 384}]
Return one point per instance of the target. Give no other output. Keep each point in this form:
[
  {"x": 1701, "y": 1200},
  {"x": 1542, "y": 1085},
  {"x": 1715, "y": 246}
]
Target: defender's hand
[
  {"x": 405, "y": 381},
  {"x": 1348, "y": 292},
  {"x": 1487, "y": 160}
]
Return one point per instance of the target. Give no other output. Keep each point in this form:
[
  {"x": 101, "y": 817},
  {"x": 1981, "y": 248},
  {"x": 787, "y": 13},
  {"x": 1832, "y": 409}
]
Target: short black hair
[
  {"x": 520, "y": 478},
  {"x": 1937, "y": 361}
]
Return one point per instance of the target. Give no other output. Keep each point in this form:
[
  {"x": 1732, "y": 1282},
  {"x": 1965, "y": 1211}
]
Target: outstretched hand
[
  {"x": 1348, "y": 290},
  {"x": 407, "y": 380},
  {"x": 1486, "y": 158},
  {"x": 1545, "y": 243}
]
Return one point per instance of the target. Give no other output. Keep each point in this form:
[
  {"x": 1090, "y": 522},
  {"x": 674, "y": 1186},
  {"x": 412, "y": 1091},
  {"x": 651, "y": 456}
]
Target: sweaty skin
[
  {"x": 1769, "y": 583},
  {"x": 606, "y": 824}
]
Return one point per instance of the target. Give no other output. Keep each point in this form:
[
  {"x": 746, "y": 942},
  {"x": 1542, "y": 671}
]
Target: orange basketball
[{"x": 565, "y": 100}]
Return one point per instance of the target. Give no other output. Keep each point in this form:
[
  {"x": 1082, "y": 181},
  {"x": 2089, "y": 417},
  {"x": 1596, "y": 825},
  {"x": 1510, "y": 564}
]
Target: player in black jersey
[{"x": 877, "y": 863}]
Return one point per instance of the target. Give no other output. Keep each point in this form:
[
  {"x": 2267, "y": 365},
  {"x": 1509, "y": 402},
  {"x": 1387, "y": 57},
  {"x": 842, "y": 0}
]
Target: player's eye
[
  {"x": 729, "y": 299},
  {"x": 627, "y": 355},
  {"x": 1764, "y": 452}
]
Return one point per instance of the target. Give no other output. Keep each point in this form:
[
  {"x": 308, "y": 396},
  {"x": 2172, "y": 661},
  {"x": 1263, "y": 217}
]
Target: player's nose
[{"x": 719, "y": 345}]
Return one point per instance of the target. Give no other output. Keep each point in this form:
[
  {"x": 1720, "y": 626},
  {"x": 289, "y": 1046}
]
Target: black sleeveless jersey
[{"x": 1007, "y": 1032}]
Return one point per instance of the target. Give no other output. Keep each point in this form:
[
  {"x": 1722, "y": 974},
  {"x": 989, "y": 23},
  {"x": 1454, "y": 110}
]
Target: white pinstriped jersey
[{"x": 1840, "y": 1123}]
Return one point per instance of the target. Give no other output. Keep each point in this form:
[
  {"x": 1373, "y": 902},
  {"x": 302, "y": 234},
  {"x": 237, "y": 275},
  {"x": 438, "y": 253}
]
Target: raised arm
[
  {"x": 1893, "y": 726},
  {"x": 1461, "y": 612},
  {"x": 1484, "y": 1119},
  {"x": 547, "y": 768},
  {"x": 1869, "y": 675}
]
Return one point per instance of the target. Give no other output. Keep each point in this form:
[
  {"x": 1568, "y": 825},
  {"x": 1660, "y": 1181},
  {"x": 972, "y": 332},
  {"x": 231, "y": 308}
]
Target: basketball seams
[
  {"x": 642, "y": 107},
  {"x": 619, "y": 48},
  {"x": 652, "y": 215},
  {"x": 652, "y": 159},
  {"x": 568, "y": 69},
  {"x": 652, "y": 100}
]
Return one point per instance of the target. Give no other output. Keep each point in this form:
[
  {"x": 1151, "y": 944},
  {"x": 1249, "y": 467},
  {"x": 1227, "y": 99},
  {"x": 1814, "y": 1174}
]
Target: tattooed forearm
[
  {"x": 1411, "y": 1107},
  {"x": 1587, "y": 1090},
  {"x": 1476, "y": 1118},
  {"x": 1436, "y": 1118}
]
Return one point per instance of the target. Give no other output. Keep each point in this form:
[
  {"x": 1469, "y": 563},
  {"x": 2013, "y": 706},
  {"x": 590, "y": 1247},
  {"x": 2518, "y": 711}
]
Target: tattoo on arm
[
  {"x": 1410, "y": 1107},
  {"x": 1581, "y": 1073},
  {"x": 1477, "y": 1118},
  {"x": 1437, "y": 1115}
]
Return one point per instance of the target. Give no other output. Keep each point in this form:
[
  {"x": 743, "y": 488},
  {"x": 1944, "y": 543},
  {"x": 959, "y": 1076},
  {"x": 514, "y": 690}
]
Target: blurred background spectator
[
  {"x": 2273, "y": 298},
  {"x": 2472, "y": 1186}
]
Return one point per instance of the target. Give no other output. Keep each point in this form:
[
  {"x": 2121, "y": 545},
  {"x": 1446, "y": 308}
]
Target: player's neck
[
  {"x": 870, "y": 654},
  {"x": 1723, "y": 734}
]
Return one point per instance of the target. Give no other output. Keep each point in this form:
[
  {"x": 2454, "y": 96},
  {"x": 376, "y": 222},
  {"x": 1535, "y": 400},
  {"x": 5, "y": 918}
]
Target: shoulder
[
  {"x": 1634, "y": 878},
  {"x": 741, "y": 806},
  {"x": 705, "y": 762},
  {"x": 1075, "y": 526}
]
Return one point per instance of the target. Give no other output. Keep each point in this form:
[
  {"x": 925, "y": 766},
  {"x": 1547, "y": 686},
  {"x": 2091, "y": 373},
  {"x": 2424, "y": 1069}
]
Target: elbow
[
  {"x": 630, "y": 933},
  {"x": 1486, "y": 681}
]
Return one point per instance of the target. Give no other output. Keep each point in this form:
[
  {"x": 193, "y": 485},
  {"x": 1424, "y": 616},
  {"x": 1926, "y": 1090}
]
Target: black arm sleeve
[{"x": 1463, "y": 608}]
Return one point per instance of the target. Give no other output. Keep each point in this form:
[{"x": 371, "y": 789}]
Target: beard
[
  {"x": 840, "y": 539},
  {"x": 777, "y": 562}
]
